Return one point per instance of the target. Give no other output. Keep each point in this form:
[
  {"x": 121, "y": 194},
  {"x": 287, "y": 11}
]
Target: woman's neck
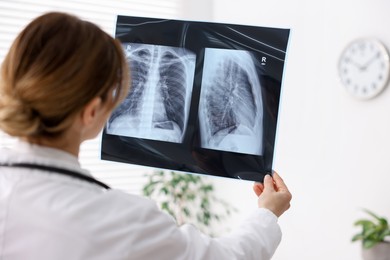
[{"x": 69, "y": 142}]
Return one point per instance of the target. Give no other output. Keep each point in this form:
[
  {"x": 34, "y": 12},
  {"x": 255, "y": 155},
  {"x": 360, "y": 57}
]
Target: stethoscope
[{"x": 60, "y": 171}]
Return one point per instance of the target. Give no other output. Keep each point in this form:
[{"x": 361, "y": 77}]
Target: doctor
[{"x": 59, "y": 83}]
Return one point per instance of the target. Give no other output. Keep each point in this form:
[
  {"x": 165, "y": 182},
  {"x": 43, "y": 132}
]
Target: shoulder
[
  {"x": 118, "y": 209},
  {"x": 5, "y": 154},
  {"x": 115, "y": 217},
  {"x": 120, "y": 201},
  {"x": 137, "y": 209}
]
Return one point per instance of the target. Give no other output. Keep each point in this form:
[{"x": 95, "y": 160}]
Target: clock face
[{"x": 364, "y": 68}]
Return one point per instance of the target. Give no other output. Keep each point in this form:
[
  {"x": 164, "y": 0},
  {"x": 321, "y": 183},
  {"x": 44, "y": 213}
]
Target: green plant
[
  {"x": 188, "y": 198},
  {"x": 373, "y": 231}
]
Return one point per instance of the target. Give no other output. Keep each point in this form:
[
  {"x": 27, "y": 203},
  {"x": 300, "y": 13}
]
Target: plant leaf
[
  {"x": 369, "y": 243},
  {"x": 370, "y": 234},
  {"x": 357, "y": 237},
  {"x": 372, "y": 214},
  {"x": 364, "y": 222},
  {"x": 186, "y": 212},
  {"x": 384, "y": 234}
]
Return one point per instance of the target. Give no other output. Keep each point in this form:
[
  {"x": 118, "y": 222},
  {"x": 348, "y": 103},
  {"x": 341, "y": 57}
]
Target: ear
[{"x": 90, "y": 111}]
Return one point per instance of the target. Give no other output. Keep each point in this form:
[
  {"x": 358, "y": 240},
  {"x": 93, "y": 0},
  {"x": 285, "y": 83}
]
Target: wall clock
[{"x": 364, "y": 68}]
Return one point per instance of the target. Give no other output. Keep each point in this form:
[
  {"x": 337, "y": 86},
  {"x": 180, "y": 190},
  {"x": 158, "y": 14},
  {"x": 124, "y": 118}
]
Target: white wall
[
  {"x": 332, "y": 150},
  {"x": 197, "y": 10}
]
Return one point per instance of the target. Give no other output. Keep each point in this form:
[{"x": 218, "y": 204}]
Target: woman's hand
[{"x": 273, "y": 194}]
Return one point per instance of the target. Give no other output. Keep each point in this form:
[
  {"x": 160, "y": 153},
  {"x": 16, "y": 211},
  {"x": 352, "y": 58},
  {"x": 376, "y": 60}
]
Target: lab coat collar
[{"x": 33, "y": 153}]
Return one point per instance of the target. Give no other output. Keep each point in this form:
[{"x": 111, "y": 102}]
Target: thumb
[{"x": 268, "y": 183}]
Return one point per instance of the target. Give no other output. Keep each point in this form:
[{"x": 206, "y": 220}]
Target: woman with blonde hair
[{"x": 60, "y": 81}]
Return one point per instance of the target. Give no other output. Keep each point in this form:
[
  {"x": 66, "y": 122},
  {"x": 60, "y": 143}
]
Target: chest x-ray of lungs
[
  {"x": 230, "y": 105},
  {"x": 157, "y": 106},
  {"x": 204, "y": 97}
]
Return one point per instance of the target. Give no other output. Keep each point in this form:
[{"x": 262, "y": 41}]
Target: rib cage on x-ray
[
  {"x": 158, "y": 103},
  {"x": 171, "y": 89},
  {"x": 230, "y": 108},
  {"x": 231, "y": 97},
  {"x": 140, "y": 63}
]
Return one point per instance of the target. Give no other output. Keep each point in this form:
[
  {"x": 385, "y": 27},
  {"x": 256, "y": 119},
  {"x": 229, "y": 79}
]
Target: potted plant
[
  {"x": 188, "y": 198},
  {"x": 374, "y": 235}
]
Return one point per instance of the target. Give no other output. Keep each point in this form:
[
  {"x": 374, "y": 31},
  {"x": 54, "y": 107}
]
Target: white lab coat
[{"x": 47, "y": 216}]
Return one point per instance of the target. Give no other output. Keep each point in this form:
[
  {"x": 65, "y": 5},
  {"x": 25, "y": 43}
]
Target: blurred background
[{"x": 332, "y": 149}]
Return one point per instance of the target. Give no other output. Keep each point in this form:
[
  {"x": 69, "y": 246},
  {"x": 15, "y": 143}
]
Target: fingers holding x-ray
[
  {"x": 157, "y": 106},
  {"x": 230, "y": 107}
]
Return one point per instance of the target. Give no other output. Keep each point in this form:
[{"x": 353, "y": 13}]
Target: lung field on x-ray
[
  {"x": 230, "y": 97},
  {"x": 230, "y": 107},
  {"x": 161, "y": 86},
  {"x": 171, "y": 92}
]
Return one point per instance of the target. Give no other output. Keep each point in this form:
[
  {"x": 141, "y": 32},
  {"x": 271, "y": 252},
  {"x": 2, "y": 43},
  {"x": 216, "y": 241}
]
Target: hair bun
[{"x": 17, "y": 118}]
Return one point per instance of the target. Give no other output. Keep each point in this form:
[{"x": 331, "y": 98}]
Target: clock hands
[
  {"x": 368, "y": 63},
  {"x": 355, "y": 64}
]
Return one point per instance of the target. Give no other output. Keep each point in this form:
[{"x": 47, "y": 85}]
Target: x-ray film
[{"x": 204, "y": 97}]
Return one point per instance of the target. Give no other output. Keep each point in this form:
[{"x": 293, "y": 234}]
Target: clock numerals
[{"x": 362, "y": 47}]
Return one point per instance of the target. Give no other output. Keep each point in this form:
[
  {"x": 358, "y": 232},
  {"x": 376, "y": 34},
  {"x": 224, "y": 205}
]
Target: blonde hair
[{"x": 55, "y": 66}]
